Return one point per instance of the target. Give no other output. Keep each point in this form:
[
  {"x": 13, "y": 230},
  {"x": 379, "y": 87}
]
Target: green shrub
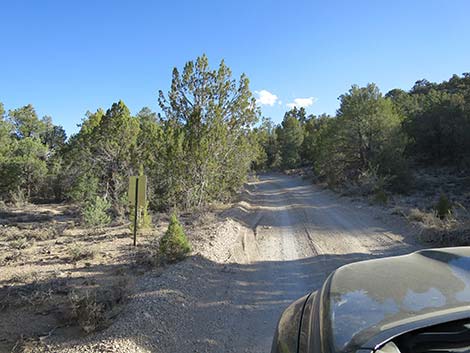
[
  {"x": 380, "y": 197},
  {"x": 79, "y": 252},
  {"x": 174, "y": 245},
  {"x": 443, "y": 207},
  {"x": 95, "y": 212},
  {"x": 85, "y": 187}
]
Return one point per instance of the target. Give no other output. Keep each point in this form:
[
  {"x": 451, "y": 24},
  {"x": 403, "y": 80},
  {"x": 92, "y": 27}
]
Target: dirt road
[{"x": 293, "y": 235}]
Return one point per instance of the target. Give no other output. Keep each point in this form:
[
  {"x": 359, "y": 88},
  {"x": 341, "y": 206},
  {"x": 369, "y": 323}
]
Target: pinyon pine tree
[{"x": 174, "y": 245}]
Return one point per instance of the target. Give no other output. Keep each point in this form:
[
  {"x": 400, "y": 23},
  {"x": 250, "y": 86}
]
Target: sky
[{"x": 68, "y": 57}]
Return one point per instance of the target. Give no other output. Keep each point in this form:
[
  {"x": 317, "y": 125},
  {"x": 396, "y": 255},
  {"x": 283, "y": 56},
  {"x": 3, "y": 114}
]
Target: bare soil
[
  {"x": 49, "y": 263},
  {"x": 278, "y": 243}
]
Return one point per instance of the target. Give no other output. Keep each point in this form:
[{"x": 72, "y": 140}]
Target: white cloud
[
  {"x": 266, "y": 98},
  {"x": 301, "y": 102}
]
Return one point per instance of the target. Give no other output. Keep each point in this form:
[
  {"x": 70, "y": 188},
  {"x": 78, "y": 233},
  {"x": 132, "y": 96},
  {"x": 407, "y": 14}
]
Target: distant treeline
[
  {"x": 205, "y": 142},
  {"x": 376, "y": 135},
  {"x": 199, "y": 150}
]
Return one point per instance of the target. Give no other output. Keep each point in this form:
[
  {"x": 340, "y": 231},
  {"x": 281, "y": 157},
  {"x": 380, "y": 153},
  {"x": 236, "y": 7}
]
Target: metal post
[{"x": 136, "y": 209}]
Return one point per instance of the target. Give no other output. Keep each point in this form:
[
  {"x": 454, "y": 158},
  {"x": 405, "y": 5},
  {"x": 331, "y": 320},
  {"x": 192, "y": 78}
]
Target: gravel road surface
[{"x": 283, "y": 240}]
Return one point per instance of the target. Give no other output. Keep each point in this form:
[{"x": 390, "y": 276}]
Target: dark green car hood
[{"x": 364, "y": 299}]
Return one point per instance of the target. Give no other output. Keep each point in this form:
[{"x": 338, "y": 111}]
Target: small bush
[
  {"x": 443, "y": 207},
  {"x": 95, "y": 212},
  {"x": 417, "y": 215},
  {"x": 370, "y": 182},
  {"x": 380, "y": 197},
  {"x": 174, "y": 245},
  {"x": 19, "y": 197},
  {"x": 79, "y": 252},
  {"x": 84, "y": 188},
  {"x": 27, "y": 277},
  {"x": 428, "y": 219},
  {"x": 94, "y": 309},
  {"x": 86, "y": 311},
  {"x": 20, "y": 243}
]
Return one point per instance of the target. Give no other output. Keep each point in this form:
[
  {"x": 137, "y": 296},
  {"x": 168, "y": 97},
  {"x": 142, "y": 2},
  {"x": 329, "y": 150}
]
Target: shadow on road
[{"x": 201, "y": 306}]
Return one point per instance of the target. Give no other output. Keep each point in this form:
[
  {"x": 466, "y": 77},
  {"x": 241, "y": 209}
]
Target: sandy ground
[{"x": 277, "y": 244}]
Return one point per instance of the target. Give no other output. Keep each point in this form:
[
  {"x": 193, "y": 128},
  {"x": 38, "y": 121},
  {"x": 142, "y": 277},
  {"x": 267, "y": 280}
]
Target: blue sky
[{"x": 67, "y": 57}]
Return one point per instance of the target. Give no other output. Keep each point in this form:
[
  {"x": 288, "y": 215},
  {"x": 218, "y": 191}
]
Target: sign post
[{"x": 137, "y": 198}]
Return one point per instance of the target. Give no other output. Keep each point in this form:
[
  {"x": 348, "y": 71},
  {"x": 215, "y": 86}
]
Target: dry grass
[
  {"x": 78, "y": 251},
  {"x": 11, "y": 257},
  {"x": 19, "y": 243},
  {"x": 93, "y": 310},
  {"x": 27, "y": 277},
  {"x": 12, "y": 233},
  {"x": 427, "y": 218},
  {"x": 45, "y": 255},
  {"x": 434, "y": 230},
  {"x": 86, "y": 311},
  {"x": 148, "y": 254},
  {"x": 204, "y": 218}
]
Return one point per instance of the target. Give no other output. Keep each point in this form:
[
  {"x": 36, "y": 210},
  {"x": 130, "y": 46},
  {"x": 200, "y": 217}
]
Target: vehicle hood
[{"x": 363, "y": 299}]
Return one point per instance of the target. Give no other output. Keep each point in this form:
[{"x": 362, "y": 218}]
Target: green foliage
[
  {"x": 174, "y": 245},
  {"x": 207, "y": 152},
  {"x": 95, "y": 212},
  {"x": 440, "y": 131},
  {"x": 202, "y": 146},
  {"x": 54, "y": 136},
  {"x": 330, "y": 162},
  {"x": 443, "y": 207},
  {"x": 436, "y": 120},
  {"x": 27, "y": 162},
  {"x": 85, "y": 187},
  {"x": 25, "y": 168},
  {"x": 366, "y": 133},
  {"x": 367, "y": 122},
  {"x": 26, "y": 122},
  {"x": 380, "y": 197},
  {"x": 104, "y": 150},
  {"x": 290, "y": 138},
  {"x": 200, "y": 150},
  {"x": 261, "y": 138},
  {"x": 6, "y": 140}
]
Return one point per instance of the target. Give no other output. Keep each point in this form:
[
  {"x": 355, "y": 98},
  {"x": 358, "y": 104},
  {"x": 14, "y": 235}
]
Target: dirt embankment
[
  {"x": 62, "y": 281},
  {"x": 278, "y": 243}
]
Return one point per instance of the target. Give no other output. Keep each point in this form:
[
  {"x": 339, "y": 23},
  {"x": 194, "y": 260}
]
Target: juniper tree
[{"x": 207, "y": 118}]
